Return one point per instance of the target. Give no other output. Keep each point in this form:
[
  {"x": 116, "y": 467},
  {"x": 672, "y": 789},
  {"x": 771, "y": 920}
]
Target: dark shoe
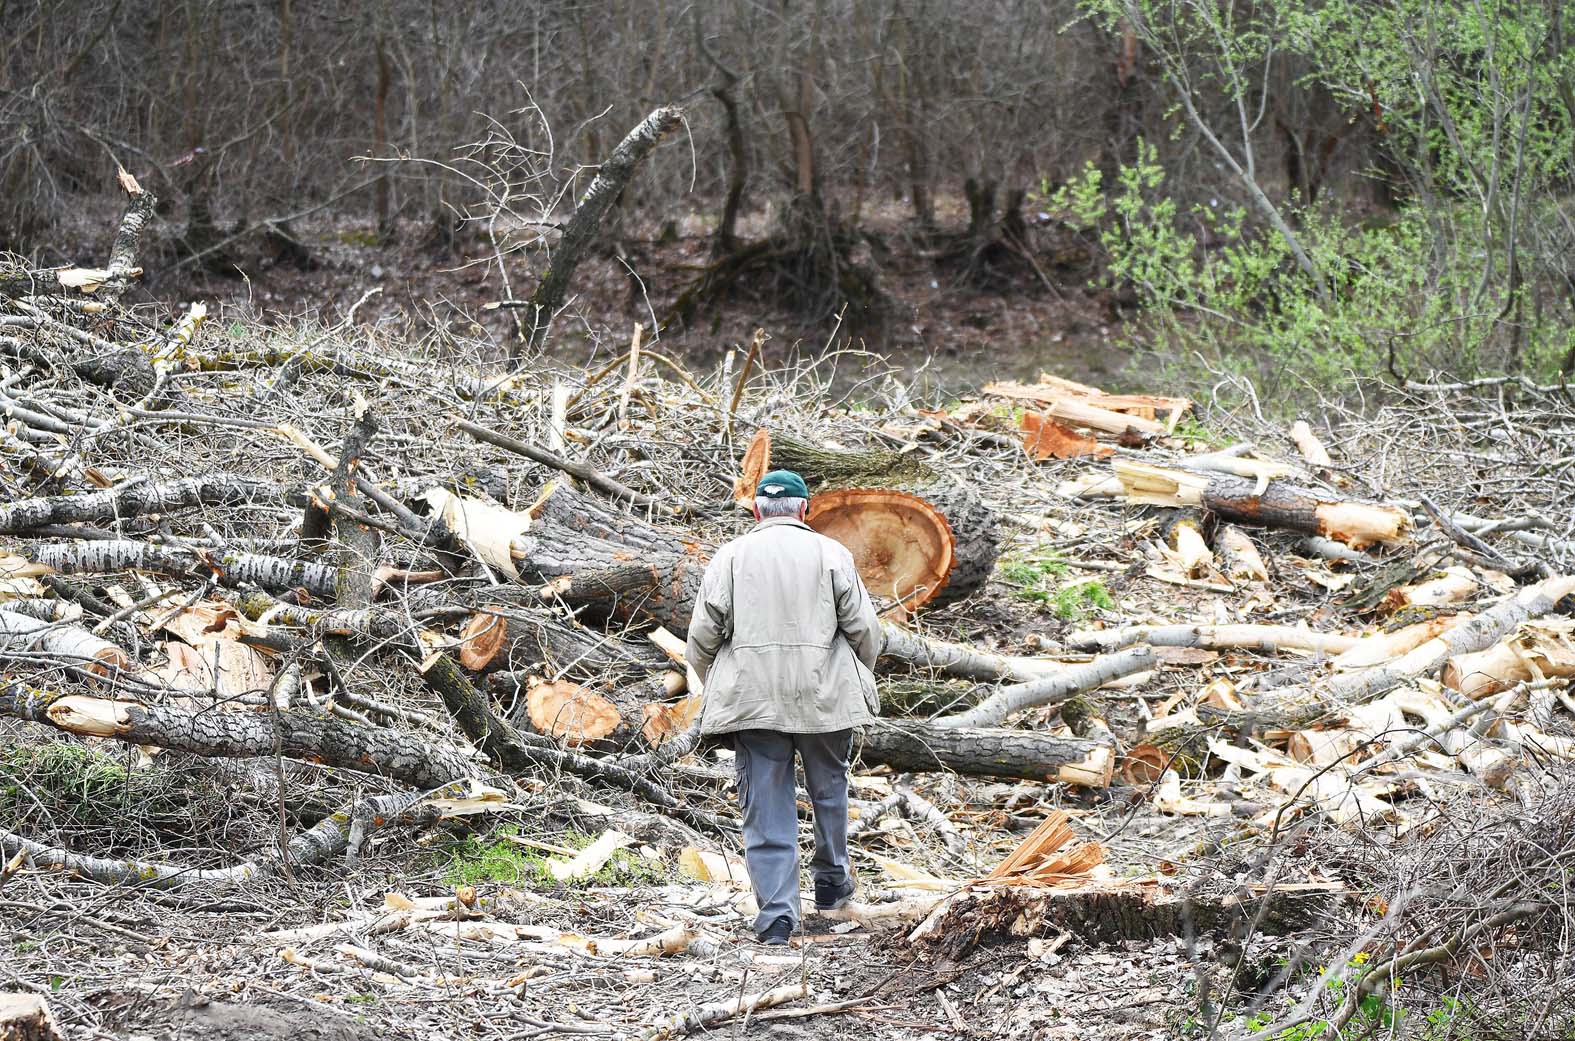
[
  {"x": 833, "y": 898},
  {"x": 776, "y": 934}
]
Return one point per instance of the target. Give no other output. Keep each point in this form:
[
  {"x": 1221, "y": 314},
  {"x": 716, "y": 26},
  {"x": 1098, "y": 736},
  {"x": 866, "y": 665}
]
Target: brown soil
[{"x": 941, "y": 328}]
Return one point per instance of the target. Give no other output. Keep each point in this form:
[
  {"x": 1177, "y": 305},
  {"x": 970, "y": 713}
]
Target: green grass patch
[
  {"x": 497, "y": 858},
  {"x": 1038, "y": 578}
]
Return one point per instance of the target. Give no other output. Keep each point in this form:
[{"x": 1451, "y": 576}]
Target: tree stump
[{"x": 26, "y": 1017}]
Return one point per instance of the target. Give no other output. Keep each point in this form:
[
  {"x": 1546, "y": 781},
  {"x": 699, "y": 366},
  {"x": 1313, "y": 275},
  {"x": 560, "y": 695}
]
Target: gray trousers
[{"x": 770, "y": 812}]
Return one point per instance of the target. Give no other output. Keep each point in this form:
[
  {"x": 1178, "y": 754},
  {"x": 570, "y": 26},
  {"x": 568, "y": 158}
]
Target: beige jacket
[{"x": 783, "y": 635}]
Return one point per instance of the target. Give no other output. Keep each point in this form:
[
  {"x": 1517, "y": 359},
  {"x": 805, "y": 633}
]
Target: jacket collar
[{"x": 781, "y": 522}]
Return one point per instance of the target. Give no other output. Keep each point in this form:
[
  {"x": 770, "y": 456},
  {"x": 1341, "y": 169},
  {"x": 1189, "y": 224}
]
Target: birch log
[{"x": 1052, "y": 690}]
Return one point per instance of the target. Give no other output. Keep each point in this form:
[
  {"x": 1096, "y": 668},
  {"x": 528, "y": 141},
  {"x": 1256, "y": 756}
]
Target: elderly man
[{"x": 784, "y": 637}]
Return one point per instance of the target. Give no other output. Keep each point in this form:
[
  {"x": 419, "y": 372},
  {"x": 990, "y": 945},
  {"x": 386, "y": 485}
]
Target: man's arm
[
  {"x": 711, "y": 623},
  {"x": 856, "y": 614}
]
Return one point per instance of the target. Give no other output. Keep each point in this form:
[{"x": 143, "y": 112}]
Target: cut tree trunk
[
  {"x": 878, "y": 541},
  {"x": 295, "y": 733},
  {"x": 1275, "y": 504},
  {"x": 1116, "y": 911},
  {"x": 1265, "y": 638},
  {"x": 518, "y": 638},
  {"x": 917, "y": 746}
]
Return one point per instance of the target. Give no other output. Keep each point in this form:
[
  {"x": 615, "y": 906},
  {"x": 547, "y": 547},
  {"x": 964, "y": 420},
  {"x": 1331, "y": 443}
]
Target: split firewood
[
  {"x": 1543, "y": 650},
  {"x": 1276, "y": 504},
  {"x": 709, "y": 1015},
  {"x": 1095, "y": 411},
  {"x": 1240, "y": 555}
]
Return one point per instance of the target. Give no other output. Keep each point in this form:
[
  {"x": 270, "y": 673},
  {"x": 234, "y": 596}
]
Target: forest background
[{"x": 1304, "y": 190}]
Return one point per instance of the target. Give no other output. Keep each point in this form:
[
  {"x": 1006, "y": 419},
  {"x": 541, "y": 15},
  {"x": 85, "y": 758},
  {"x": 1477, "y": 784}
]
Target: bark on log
[
  {"x": 905, "y": 647},
  {"x": 321, "y": 842},
  {"x": 912, "y": 745},
  {"x": 1276, "y": 504},
  {"x": 610, "y": 180},
  {"x": 80, "y": 650},
  {"x": 1264, "y": 638},
  {"x": 973, "y": 524},
  {"x": 296, "y": 733},
  {"x": 533, "y": 640},
  {"x": 227, "y": 567},
  {"x": 1052, "y": 690},
  {"x": 137, "y": 499}
]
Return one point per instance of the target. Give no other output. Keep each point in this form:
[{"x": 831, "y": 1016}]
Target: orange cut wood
[
  {"x": 668, "y": 719},
  {"x": 483, "y": 638},
  {"x": 1042, "y": 859},
  {"x": 567, "y": 710},
  {"x": 902, "y": 546},
  {"x": 1044, "y": 438},
  {"x": 756, "y": 464}
]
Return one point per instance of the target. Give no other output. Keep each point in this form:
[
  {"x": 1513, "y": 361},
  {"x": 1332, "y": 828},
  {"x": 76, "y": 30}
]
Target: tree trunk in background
[{"x": 385, "y": 218}]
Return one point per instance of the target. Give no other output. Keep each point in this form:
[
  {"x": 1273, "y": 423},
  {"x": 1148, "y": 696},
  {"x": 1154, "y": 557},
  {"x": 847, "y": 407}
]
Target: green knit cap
[{"x": 782, "y": 484}]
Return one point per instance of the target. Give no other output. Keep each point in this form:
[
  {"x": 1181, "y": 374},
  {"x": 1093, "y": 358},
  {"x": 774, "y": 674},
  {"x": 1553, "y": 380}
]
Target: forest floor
[
  {"x": 1423, "y": 810},
  {"x": 944, "y": 333}
]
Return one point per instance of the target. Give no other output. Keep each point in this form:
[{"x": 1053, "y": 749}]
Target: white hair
[{"x": 785, "y": 507}]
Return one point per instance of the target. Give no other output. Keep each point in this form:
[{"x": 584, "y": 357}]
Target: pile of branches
[{"x": 321, "y": 546}]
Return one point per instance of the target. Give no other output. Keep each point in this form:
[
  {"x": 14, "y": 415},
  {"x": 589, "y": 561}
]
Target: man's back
[{"x": 784, "y": 634}]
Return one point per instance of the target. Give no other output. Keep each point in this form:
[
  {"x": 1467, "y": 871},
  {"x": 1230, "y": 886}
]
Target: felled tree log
[
  {"x": 905, "y": 647},
  {"x": 227, "y": 567},
  {"x": 880, "y": 541},
  {"x": 242, "y": 733},
  {"x": 1275, "y": 504},
  {"x": 322, "y": 841},
  {"x": 1478, "y": 634},
  {"x": 1264, "y": 638},
  {"x": 82, "y": 651},
  {"x": 1025, "y": 754},
  {"x": 137, "y": 499},
  {"x": 500, "y": 636},
  {"x": 1052, "y": 690}
]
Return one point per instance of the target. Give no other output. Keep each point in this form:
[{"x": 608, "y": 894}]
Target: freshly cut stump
[
  {"x": 568, "y": 711},
  {"x": 901, "y": 544}
]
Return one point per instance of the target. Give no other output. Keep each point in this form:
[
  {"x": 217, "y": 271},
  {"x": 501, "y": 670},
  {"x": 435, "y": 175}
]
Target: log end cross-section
[
  {"x": 902, "y": 546},
  {"x": 570, "y": 712}
]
